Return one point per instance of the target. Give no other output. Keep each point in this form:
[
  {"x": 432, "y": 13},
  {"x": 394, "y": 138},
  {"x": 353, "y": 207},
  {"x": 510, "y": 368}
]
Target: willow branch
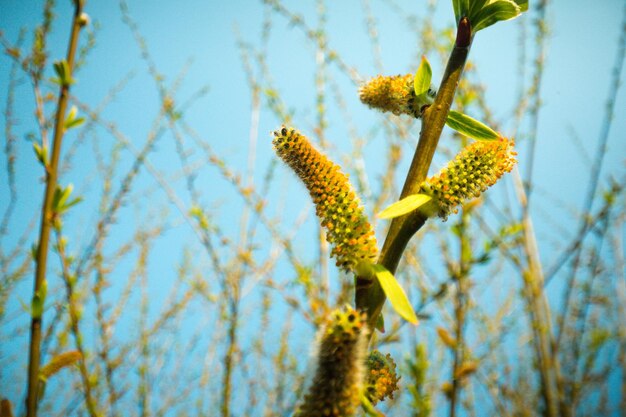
[
  {"x": 369, "y": 295},
  {"x": 46, "y": 219}
]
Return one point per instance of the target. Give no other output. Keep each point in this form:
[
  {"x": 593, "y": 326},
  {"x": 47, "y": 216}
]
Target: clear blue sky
[{"x": 580, "y": 55}]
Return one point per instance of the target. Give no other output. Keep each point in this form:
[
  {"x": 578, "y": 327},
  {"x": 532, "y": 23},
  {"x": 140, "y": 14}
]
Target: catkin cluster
[
  {"x": 337, "y": 206},
  {"x": 338, "y": 381},
  {"x": 382, "y": 379},
  {"x": 477, "y": 167},
  {"x": 394, "y": 94}
]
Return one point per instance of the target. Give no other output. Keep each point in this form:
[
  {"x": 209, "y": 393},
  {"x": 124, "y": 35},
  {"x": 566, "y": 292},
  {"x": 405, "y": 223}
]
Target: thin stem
[
  {"x": 231, "y": 350},
  {"x": 540, "y": 39},
  {"x": 595, "y": 171},
  {"x": 460, "y": 309},
  {"x": 538, "y": 309},
  {"x": 369, "y": 296},
  {"x": 46, "y": 216},
  {"x": 73, "y": 308}
]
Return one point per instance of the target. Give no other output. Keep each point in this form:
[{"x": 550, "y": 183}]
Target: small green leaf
[
  {"x": 476, "y": 6},
  {"x": 71, "y": 120},
  {"x": 523, "y": 5},
  {"x": 71, "y": 115},
  {"x": 404, "y": 206},
  {"x": 394, "y": 292},
  {"x": 467, "y": 126},
  {"x": 75, "y": 123},
  {"x": 70, "y": 204},
  {"x": 493, "y": 13},
  {"x": 461, "y": 8},
  {"x": 456, "y": 6},
  {"x": 41, "y": 152},
  {"x": 62, "y": 69},
  {"x": 423, "y": 77},
  {"x": 39, "y": 300},
  {"x": 60, "y": 197},
  {"x": 380, "y": 323}
]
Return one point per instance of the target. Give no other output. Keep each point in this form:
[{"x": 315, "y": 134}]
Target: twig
[
  {"x": 596, "y": 168},
  {"x": 46, "y": 214},
  {"x": 369, "y": 296}
]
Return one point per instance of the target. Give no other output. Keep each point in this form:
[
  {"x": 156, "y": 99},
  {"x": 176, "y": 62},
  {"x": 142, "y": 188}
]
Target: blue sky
[{"x": 580, "y": 55}]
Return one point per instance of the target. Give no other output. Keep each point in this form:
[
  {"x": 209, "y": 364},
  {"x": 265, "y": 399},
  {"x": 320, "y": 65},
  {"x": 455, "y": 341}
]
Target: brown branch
[
  {"x": 460, "y": 309},
  {"x": 369, "y": 296},
  {"x": 73, "y": 309},
  {"x": 46, "y": 215}
]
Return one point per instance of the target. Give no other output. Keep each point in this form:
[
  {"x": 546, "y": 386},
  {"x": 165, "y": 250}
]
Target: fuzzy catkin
[
  {"x": 337, "y": 206},
  {"x": 338, "y": 381},
  {"x": 382, "y": 379},
  {"x": 477, "y": 167},
  {"x": 59, "y": 362},
  {"x": 393, "y": 94}
]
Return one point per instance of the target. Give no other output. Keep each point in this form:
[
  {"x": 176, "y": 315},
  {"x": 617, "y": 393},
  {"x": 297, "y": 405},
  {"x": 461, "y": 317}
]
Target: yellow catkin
[
  {"x": 336, "y": 387},
  {"x": 59, "y": 362},
  {"x": 337, "y": 206},
  {"x": 446, "y": 338},
  {"x": 382, "y": 379},
  {"x": 393, "y": 94},
  {"x": 477, "y": 167},
  {"x": 466, "y": 369}
]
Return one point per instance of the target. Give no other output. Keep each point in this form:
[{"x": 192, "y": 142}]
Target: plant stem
[
  {"x": 231, "y": 351},
  {"x": 538, "y": 311},
  {"x": 461, "y": 276},
  {"x": 369, "y": 296},
  {"x": 74, "y": 314},
  {"x": 46, "y": 217}
]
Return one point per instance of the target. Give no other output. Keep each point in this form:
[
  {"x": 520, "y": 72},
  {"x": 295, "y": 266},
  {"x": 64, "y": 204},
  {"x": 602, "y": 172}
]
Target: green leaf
[
  {"x": 461, "y": 8},
  {"x": 41, "y": 152},
  {"x": 71, "y": 115},
  {"x": 456, "y": 6},
  {"x": 523, "y": 5},
  {"x": 71, "y": 203},
  {"x": 476, "y": 6},
  {"x": 71, "y": 120},
  {"x": 75, "y": 123},
  {"x": 60, "y": 201},
  {"x": 467, "y": 126},
  {"x": 404, "y": 206},
  {"x": 493, "y": 13},
  {"x": 62, "y": 69},
  {"x": 423, "y": 77},
  {"x": 60, "y": 197},
  {"x": 39, "y": 300},
  {"x": 380, "y": 323},
  {"x": 394, "y": 292}
]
